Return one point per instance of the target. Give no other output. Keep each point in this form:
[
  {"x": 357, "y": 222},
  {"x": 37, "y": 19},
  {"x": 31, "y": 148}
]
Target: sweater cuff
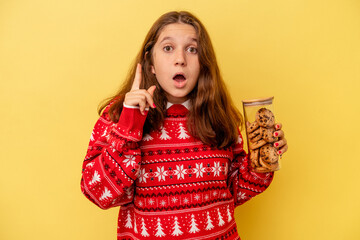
[{"x": 131, "y": 123}]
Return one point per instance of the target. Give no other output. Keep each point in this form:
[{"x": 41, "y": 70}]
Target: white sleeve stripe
[{"x": 134, "y": 107}]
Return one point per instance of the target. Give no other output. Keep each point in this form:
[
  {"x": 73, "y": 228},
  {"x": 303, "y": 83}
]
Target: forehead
[{"x": 178, "y": 31}]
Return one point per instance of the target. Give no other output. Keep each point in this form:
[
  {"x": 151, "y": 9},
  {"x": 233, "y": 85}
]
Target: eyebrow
[{"x": 170, "y": 38}]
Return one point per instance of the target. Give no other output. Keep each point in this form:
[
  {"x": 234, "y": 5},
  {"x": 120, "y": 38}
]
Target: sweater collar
[{"x": 186, "y": 104}]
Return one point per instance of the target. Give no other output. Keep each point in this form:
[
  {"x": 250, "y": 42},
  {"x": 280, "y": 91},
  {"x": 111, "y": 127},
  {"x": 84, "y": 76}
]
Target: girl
[{"x": 167, "y": 148}]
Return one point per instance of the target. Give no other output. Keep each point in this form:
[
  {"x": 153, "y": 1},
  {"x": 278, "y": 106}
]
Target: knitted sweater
[{"x": 169, "y": 184}]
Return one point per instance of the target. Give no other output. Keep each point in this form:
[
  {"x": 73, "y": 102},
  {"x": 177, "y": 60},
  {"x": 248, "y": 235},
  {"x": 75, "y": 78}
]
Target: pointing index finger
[{"x": 137, "y": 79}]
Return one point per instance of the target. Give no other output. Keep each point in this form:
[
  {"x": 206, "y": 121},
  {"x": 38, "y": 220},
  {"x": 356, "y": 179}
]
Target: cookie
[
  {"x": 274, "y": 167},
  {"x": 256, "y": 138},
  {"x": 261, "y": 170},
  {"x": 263, "y": 155},
  {"x": 268, "y": 134},
  {"x": 254, "y": 133},
  {"x": 264, "y": 164},
  {"x": 253, "y": 166},
  {"x": 268, "y": 153},
  {"x": 254, "y": 158},
  {"x": 252, "y": 127},
  {"x": 257, "y": 144},
  {"x": 265, "y": 118}
]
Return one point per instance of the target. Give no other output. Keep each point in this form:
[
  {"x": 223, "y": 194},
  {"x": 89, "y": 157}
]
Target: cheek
[
  {"x": 195, "y": 65},
  {"x": 197, "y": 71},
  {"x": 159, "y": 66}
]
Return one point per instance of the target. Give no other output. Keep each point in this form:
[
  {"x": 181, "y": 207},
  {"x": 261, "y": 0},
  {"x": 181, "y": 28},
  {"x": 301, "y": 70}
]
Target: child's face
[{"x": 176, "y": 61}]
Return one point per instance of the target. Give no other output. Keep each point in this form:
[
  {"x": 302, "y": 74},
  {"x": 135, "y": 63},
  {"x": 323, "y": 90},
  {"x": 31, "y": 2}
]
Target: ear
[{"x": 153, "y": 69}]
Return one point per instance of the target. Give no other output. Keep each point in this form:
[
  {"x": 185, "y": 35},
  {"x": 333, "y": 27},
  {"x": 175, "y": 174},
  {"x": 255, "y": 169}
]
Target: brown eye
[
  {"x": 167, "y": 48},
  {"x": 192, "y": 50}
]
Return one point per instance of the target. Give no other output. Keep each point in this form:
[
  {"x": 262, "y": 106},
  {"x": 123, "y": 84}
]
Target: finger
[
  {"x": 142, "y": 105},
  {"x": 151, "y": 90},
  {"x": 278, "y": 126},
  {"x": 279, "y": 134},
  {"x": 283, "y": 150},
  {"x": 137, "y": 79},
  {"x": 280, "y": 144},
  {"x": 136, "y": 98},
  {"x": 133, "y": 98},
  {"x": 143, "y": 99},
  {"x": 139, "y": 98},
  {"x": 150, "y": 95}
]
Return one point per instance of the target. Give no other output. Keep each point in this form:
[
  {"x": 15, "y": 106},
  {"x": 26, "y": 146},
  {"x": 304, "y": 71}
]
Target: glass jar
[{"x": 260, "y": 128}]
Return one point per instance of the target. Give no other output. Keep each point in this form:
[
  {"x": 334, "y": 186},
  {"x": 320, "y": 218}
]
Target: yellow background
[{"x": 59, "y": 59}]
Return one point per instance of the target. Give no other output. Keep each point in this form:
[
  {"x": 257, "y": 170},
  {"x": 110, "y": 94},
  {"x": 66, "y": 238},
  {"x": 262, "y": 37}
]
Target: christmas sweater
[{"x": 169, "y": 184}]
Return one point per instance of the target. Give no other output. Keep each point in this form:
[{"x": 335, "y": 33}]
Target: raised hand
[{"x": 140, "y": 97}]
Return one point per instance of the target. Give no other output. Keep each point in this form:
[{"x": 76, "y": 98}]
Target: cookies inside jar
[{"x": 260, "y": 128}]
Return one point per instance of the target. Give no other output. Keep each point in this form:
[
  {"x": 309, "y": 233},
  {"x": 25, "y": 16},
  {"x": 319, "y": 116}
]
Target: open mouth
[{"x": 179, "y": 77}]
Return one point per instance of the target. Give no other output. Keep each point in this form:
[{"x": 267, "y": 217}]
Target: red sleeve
[
  {"x": 112, "y": 161},
  {"x": 243, "y": 183}
]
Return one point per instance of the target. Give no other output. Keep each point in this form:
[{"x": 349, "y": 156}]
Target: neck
[{"x": 177, "y": 100}]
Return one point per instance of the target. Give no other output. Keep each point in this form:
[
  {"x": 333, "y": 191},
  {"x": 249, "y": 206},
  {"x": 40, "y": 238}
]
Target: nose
[{"x": 180, "y": 58}]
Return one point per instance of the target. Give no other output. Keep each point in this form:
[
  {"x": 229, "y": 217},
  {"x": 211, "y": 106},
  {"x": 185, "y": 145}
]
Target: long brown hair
[{"x": 213, "y": 118}]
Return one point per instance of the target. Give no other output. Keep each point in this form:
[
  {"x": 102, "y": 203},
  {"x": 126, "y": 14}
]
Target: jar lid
[{"x": 258, "y": 101}]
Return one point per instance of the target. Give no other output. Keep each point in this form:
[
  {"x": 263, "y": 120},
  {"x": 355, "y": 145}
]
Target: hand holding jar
[{"x": 266, "y": 141}]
